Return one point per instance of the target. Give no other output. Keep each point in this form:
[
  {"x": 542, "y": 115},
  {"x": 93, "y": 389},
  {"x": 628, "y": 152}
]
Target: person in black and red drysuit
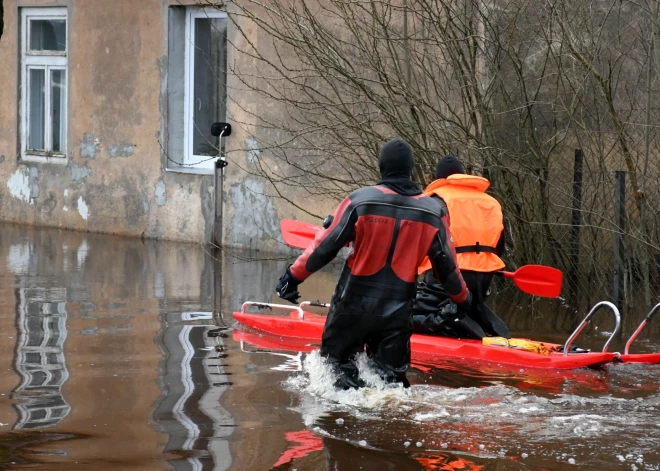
[{"x": 393, "y": 227}]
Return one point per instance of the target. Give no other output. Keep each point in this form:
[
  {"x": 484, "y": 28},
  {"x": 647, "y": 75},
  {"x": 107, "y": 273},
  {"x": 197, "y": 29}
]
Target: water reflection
[
  {"x": 40, "y": 359},
  {"x": 307, "y": 450},
  {"x": 112, "y": 339},
  {"x": 125, "y": 352},
  {"x": 192, "y": 380}
]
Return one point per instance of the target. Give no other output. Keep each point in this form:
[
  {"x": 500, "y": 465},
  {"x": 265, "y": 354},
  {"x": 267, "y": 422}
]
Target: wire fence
[{"x": 589, "y": 223}]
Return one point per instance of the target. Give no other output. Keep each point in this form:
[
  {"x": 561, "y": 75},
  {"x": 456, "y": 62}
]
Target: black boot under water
[
  {"x": 345, "y": 382},
  {"x": 348, "y": 376}
]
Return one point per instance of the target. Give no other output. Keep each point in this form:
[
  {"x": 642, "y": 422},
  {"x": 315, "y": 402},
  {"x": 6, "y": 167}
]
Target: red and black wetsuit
[{"x": 391, "y": 235}]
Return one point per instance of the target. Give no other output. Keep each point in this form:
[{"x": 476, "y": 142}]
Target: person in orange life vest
[
  {"x": 393, "y": 227},
  {"x": 477, "y": 228}
]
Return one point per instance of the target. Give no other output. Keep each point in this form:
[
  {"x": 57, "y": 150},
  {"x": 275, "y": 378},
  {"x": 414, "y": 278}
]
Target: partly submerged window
[
  {"x": 43, "y": 83},
  {"x": 197, "y": 85}
]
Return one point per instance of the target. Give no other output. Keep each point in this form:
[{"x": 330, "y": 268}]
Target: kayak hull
[
  {"x": 310, "y": 329},
  {"x": 547, "y": 379},
  {"x": 646, "y": 358}
]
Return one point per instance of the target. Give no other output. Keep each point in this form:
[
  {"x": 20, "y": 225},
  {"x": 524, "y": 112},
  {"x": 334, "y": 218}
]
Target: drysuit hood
[{"x": 396, "y": 164}]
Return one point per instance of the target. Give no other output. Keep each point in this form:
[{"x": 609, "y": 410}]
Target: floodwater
[{"x": 122, "y": 354}]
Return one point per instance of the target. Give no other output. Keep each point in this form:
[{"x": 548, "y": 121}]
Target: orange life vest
[{"x": 475, "y": 221}]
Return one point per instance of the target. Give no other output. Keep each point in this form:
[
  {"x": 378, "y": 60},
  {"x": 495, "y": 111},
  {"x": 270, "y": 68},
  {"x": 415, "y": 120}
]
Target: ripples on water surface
[{"x": 122, "y": 354}]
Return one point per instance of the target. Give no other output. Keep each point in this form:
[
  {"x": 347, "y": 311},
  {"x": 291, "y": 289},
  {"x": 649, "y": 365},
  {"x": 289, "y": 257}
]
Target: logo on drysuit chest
[{"x": 376, "y": 219}]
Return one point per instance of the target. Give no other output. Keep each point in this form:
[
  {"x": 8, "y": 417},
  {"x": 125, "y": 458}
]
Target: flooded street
[{"x": 122, "y": 354}]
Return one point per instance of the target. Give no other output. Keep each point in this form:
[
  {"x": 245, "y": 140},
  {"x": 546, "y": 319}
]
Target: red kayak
[{"x": 307, "y": 328}]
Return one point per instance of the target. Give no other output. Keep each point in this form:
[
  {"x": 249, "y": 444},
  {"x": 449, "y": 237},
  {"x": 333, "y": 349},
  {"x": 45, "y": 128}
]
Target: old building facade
[{"x": 106, "y": 115}]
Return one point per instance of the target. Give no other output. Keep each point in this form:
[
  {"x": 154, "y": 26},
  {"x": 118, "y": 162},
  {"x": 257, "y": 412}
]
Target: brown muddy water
[{"x": 121, "y": 354}]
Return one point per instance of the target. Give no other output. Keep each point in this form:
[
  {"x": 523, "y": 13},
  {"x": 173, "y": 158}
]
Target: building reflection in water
[
  {"x": 40, "y": 358},
  {"x": 192, "y": 379}
]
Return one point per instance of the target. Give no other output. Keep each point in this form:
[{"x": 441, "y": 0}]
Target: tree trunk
[{"x": 2, "y": 19}]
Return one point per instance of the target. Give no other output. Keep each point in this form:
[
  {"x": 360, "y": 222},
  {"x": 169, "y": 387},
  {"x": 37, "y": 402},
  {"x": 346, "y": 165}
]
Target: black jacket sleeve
[
  {"x": 499, "y": 248},
  {"x": 445, "y": 267},
  {"x": 327, "y": 242}
]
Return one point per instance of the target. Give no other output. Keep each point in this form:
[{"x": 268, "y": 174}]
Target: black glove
[
  {"x": 287, "y": 288},
  {"x": 464, "y": 307},
  {"x": 449, "y": 309},
  {"x": 327, "y": 222}
]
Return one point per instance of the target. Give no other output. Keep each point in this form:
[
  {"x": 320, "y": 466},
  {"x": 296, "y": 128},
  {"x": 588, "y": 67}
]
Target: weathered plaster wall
[
  {"x": 114, "y": 177},
  {"x": 253, "y": 209}
]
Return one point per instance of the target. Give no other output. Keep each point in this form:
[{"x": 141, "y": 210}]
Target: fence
[{"x": 589, "y": 223}]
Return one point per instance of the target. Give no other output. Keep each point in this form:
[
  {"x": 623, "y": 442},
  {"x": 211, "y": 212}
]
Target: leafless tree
[{"x": 510, "y": 86}]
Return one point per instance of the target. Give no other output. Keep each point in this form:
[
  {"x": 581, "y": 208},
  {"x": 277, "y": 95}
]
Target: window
[
  {"x": 197, "y": 85},
  {"x": 43, "y": 83}
]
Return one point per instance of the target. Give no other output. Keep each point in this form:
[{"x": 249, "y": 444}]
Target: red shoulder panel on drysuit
[
  {"x": 385, "y": 190},
  {"x": 373, "y": 237},
  {"x": 412, "y": 245}
]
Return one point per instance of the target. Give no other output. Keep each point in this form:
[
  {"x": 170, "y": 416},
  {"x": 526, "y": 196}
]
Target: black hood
[
  {"x": 396, "y": 164},
  {"x": 448, "y": 165},
  {"x": 396, "y": 159}
]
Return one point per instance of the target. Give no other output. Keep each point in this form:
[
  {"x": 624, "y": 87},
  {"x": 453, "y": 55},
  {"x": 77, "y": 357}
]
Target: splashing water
[
  {"x": 318, "y": 379},
  {"x": 491, "y": 421}
]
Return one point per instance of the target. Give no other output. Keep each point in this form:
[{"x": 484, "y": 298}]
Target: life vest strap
[{"x": 476, "y": 248}]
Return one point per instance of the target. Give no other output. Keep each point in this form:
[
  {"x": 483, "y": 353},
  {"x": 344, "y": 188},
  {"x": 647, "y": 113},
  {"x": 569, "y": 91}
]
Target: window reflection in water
[
  {"x": 192, "y": 381},
  {"x": 40, "y": 358}
]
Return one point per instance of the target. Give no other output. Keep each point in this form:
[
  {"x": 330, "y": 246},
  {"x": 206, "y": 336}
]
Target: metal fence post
[
  {"x": 576, "y": 222},
  {"x": 620, "y": 222}
]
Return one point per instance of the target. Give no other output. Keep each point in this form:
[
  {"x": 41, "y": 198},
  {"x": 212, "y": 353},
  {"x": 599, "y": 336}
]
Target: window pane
[
  {"x": 57, "y": 97},
  {"x": 33, "y": 357},
  {"x": 38, "y": 414},
  {"x": 55, "y": 378},
  {"x": 36, "y": 110},
  {"x": 209, "y": 82},
  {"x": 48, "y": 35},
  {"x": 38, "y": 378}
]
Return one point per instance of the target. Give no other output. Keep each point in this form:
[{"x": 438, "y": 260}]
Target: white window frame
[
  {"x": 47, "y": 61},
  {"x": 190, "y": 159}
]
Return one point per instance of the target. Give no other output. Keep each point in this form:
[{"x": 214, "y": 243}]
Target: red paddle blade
[
  {"x": 538, "y": 280},
  {"x": 298, "y": 234}
]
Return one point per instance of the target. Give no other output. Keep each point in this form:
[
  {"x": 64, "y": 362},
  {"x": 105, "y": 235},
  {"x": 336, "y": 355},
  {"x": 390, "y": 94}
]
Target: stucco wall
[{"x": 114, "y": 178}]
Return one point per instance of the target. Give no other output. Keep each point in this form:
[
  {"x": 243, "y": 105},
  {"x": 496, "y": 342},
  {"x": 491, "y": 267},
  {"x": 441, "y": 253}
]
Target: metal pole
[
  {"x": 220, "y": 164},
  {"x": 220, "y": 130},
  {"x": 620, "y": 221},
  {"x": 217, "y": 285},
  {"x": 576, "y": 222}
]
